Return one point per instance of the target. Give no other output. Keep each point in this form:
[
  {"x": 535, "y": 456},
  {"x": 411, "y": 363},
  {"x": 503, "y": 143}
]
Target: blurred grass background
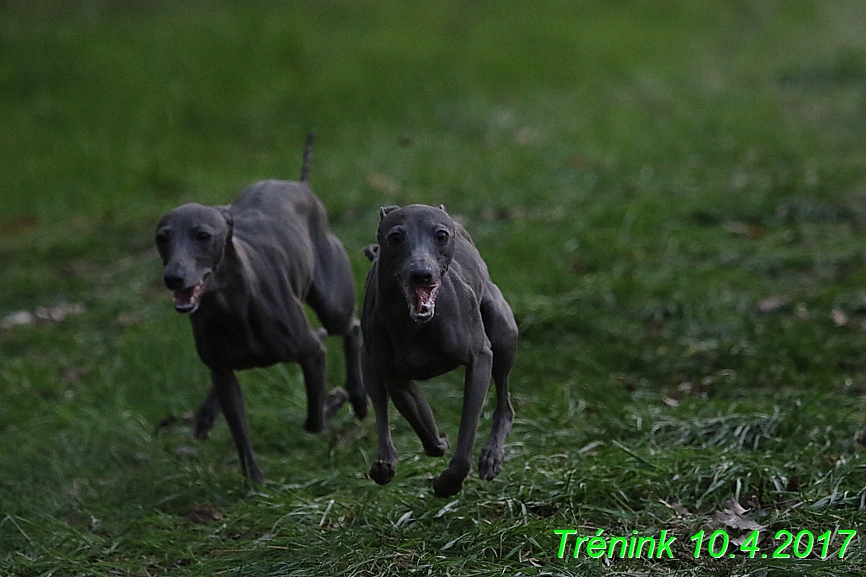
[{"x": 670, "y": 194}]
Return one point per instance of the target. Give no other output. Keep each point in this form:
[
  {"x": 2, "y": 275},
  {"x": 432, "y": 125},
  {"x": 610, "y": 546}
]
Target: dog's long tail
[{"x": 308, "y": 157}]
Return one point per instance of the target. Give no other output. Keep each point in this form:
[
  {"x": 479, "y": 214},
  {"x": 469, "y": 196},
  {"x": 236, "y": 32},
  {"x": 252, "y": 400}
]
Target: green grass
[{"x": 670, "y": 195}]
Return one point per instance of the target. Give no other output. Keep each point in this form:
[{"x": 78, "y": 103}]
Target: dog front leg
[
  {"x": 493, "y": 452},
  {"x": 501, "y": 329},
  {"x": 383, "y": 469},
  {"x": 231, "y": 402},
  {"x": 475, "y": 389}
]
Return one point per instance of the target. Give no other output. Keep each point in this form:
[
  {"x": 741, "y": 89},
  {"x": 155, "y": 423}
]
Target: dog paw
[
  {"x": 202, "y": 425},
  {"x": 490, "y": 462},
  {"x": 336, "y": 399},
  {"x": 313, "y": 425},
  {"x": 256, "y": 476},
  {"x": 447, "y": 484},
  {"x": 382, "y": 472}
]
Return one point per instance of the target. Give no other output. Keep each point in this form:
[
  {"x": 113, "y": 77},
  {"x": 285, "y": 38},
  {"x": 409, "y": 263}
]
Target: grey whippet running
[
  {"x": 242, "y": 272},
  {"x": 430, "y": 307}
]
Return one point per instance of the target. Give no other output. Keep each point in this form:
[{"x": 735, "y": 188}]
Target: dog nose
[
  {"x": 173, "y": 281},
  {"x": 421, "y": 276}
]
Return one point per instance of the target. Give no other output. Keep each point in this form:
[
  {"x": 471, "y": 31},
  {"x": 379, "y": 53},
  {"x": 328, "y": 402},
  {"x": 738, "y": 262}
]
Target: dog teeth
[
  {"x": 421, "y": 301},
  {"x": 186, "y": 300}
]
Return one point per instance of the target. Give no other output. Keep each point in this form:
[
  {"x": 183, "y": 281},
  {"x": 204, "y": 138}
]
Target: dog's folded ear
[
  {"x": 383, "y": 211},
  {"x": 371, "y": 251},
  {"x": 227, "y": 215}
]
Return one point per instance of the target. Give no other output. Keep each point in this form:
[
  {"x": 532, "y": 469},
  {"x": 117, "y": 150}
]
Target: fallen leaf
[
  {"x": 773, "y": 303},
  {"x": 60, "y": 312},
  {"x": 738, "y": 541},
  {"x": 679, "y": 508},
  {"x": 21, "y": 318},
  {"x": 41, "y": 315},
  {"x": 750, "y": 231},
  {"x": 840, "y": 319},
  {"x": 203, "y": 513},
  {"x": 733, "y": 516}
]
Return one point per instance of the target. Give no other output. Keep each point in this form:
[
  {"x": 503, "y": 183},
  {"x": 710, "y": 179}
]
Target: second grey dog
[
  {"x": 430, "y": 307},
  {"x": 242, "y": 272}
]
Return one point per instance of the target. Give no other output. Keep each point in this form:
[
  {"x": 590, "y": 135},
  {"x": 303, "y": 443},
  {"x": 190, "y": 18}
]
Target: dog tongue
[
  {"x": 186, "y": 300},
  {"x": 423, "y": 298},
  {"x": 183, "y": 298}
]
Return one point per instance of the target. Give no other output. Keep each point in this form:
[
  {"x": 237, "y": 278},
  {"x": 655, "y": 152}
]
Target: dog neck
[{"x": 231, "y": 276}]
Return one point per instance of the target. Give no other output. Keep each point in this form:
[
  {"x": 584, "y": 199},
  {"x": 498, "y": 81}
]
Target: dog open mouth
[
  {"x": 421, "y": 300},
  {"x": 186, "y": 300}
]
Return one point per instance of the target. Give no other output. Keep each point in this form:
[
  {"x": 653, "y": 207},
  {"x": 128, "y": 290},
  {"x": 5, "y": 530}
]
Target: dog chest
[
  {"x": 256, "y": 340},
  {"x": 424, "y": 354}
]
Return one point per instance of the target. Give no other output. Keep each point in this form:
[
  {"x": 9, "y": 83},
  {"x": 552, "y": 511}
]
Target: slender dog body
[
  {"x": 429, "y": 308},
  {"x": 243, "y": 272},
  {"x": 255, "y": 296}
]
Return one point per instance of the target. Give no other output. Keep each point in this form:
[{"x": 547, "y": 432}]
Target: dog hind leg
[
  {"x": 412, "y": 404},
  {"x": 354, "y": 383},
  {"x": 321, "y": 406},
  {"x": 332, "y": 298}
]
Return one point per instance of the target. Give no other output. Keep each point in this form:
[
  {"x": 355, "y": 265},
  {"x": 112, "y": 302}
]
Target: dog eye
[
  {"x": 395, "y": 238},
  {"x": 441, "y": 236},
  {"x": 161, "y": 238},
  {"x": 203, "y": 236}
]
